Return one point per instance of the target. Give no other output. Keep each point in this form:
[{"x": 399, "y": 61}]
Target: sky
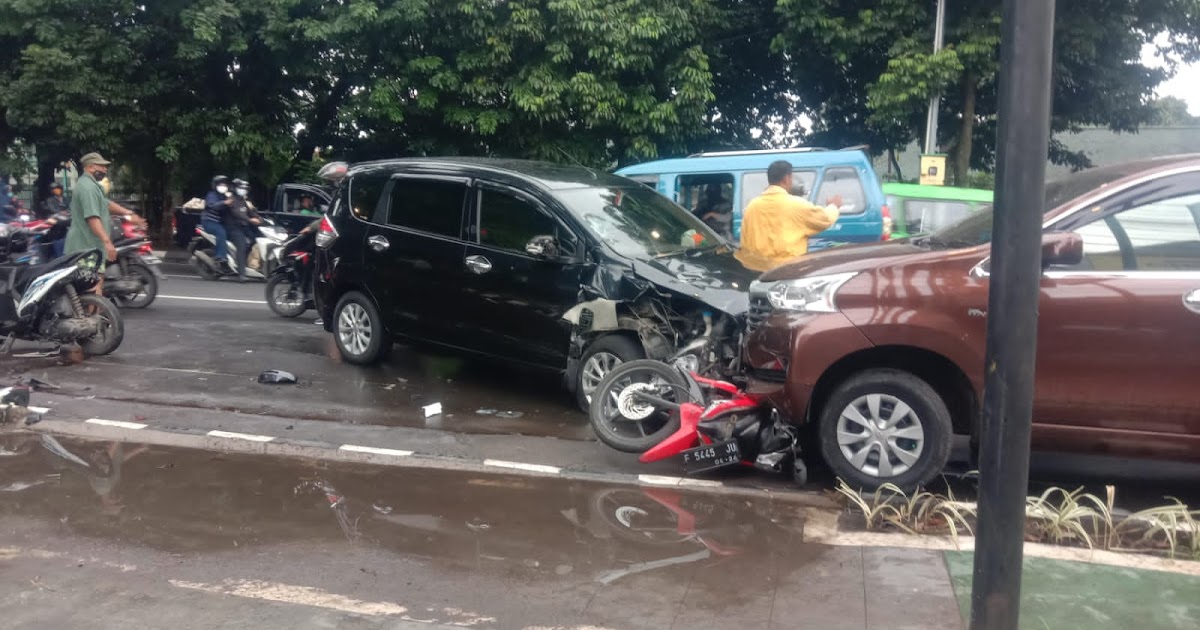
[{"x": 1185, "y": 84}]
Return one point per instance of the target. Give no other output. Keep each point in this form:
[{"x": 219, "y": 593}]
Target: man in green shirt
[{"x": 90, "y": 209}]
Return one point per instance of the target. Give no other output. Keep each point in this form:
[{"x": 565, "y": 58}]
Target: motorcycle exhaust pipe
[{"x": 205, "y": 259}]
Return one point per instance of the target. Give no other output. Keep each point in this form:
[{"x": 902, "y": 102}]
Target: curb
[{"x": 254, "y": 444}]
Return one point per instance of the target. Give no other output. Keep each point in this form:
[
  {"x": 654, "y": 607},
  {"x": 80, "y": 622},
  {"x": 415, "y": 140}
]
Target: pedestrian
[
  {"x": 776, "y": 225},
  {"x": 241, "y": 220},
  {"x": 55, "y": 203},
  {"x": 90, "y": 210},
  {"x": 215, "y": 216}
]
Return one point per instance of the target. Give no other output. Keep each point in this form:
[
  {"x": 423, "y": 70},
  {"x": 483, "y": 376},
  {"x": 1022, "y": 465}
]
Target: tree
[
  {"x": 1171, "y": 111},
  {"x": 883, "y": 51}
]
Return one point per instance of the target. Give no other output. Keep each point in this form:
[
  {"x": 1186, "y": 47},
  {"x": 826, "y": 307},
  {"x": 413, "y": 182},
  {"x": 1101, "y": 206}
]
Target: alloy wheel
[
  {"x": 354, "y": 328},
  {"x": 595, "y": 369}
]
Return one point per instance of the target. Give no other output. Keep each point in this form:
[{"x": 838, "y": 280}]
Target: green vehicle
[{"x": 918, "y": 209}]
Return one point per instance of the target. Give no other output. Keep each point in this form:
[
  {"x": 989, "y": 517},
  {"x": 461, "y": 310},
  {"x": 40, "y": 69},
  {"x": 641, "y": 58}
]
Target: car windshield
[
  {"x": 976, "y": 229},
  {"x": 637, "y": 221}
]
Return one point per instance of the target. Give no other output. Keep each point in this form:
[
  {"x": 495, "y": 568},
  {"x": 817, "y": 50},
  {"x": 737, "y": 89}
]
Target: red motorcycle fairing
[{"x": 692, "y": 414}]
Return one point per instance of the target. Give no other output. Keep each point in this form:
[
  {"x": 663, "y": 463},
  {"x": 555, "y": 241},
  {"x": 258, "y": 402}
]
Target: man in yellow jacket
[{"x": 776, "y": 225}]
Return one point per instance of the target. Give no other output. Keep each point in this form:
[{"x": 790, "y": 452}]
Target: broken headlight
[{"x": 814, "y": 294}]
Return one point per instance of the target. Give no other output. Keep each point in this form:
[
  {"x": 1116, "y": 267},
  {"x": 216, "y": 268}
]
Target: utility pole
[
  {"x": 931, "y": 122},
  {"x": 1022, "y": 146}
]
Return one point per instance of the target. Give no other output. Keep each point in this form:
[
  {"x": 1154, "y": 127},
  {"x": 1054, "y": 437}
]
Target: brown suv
[{"x": 883, "y": 346}]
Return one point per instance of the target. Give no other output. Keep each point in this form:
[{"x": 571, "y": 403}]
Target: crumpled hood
[
  {"x": 844, "y": 260},
  {"x": 715, "y": 278}
]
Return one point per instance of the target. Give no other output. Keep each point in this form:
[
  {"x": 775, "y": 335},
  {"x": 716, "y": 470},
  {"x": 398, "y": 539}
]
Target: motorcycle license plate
[{"x": 711, "y": 456}]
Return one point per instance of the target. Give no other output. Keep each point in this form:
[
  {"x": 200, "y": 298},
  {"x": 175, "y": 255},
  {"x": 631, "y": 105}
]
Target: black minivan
[{"x": 558, "y": 267}]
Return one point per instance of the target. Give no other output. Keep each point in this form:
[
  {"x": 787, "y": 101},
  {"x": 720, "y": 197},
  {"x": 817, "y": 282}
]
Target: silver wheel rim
[
  {"x": 880, "y": 435},
  {"x": 615, "y": 407},
  {"x": 354, "y": 329},
  {"x": 595, "y": 369},
  {"x": 279, "y": 294}
]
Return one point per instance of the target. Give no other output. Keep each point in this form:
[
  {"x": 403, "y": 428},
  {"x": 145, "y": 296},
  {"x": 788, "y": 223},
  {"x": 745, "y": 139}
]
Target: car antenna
[{"x": 572, "y": 159}]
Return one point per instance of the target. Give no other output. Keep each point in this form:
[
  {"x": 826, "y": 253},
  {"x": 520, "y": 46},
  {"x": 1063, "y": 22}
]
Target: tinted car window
[
  {"x": 509, "y": 222},
  {"x": 843, "y": 181},
  {"x": 930, "y": 215},
  {"x": 1159, "y": 236},
  {"x": 432, "y": 206},
  {"x": 365, "y": 194},
  {"x": 753, "y": 184}
]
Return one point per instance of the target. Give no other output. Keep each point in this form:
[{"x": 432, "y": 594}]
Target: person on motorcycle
[
  {"x": 241, "y": 223},
  {"x": 216, "y": 210},
  {"x": 55, "y": 204}
]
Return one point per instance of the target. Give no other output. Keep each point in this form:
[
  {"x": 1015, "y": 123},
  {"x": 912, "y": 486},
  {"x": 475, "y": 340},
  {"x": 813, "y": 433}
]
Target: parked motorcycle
[
  {"x": 662, "y": 411},
  {"x": 269, "y": 237},
  {"x": 50, "y": 302},
  {"x": 132, "y": 281},
  {"x": 289, "y": 289}
]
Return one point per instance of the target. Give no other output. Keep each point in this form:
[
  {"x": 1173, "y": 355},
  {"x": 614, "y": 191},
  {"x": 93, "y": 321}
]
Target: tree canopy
[{"x": 177, "y": 90}]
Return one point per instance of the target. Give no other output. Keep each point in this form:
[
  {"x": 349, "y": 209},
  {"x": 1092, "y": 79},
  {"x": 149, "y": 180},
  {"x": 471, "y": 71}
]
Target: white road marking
[
  {"x": 699, "y": 483},
  {"x": 240, "y": 436},
  {"x": 117, "y": 423},
  {"x": 209, "y": 299},
  {"x": 541, "y": 468},
  {"x": 354, "y": 448},
  {"x": 41, "y": 411},
  {"x": 292, "y": 594},
  {"x": 659, "y": 480}
]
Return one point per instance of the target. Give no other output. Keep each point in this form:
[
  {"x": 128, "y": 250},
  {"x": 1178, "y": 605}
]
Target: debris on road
[
  {"x": 486, "y": 412},
  {"x": 382, "y": 508},
  {"x": 39, "y": 385},
  {"x": 510, "y": 414},
  {"x": 277, "y": 377},
  {"x": 431, "y": 410}
]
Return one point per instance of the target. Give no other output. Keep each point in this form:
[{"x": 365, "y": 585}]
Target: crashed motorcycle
[
  {"x": 662, "y": 411},
  {"x": 51, "y": 302}
]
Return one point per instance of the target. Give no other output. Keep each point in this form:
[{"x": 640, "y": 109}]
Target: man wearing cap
[{"x": 90, "y": 210}]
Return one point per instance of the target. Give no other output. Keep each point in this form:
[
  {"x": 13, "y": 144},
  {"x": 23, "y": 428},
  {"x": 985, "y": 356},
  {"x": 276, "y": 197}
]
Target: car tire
[
  {"x": 602, "y": 356},
  {"x": 916, "y": 445},
  {"x": 358, "y": 330}
]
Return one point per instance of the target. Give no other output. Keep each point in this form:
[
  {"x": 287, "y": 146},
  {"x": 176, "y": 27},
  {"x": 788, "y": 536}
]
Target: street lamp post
[
  {"x": 931, "y": 122},
  {"x": 1022, "y": 146}
]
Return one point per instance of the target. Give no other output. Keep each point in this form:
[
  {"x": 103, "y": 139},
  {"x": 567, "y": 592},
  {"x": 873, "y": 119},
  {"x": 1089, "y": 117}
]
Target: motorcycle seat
[{"x": 20, "y": 276}]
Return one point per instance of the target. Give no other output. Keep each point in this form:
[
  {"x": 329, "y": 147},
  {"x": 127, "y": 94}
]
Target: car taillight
[
  {"x": 887, "y": 223},
  {"x": 326, "y": 234}
]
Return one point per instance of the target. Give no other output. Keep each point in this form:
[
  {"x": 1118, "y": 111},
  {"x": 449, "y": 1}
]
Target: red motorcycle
[{"x": 661, "y": 411}]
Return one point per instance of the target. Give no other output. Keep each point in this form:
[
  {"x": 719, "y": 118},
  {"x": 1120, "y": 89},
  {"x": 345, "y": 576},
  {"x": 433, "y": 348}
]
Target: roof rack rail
[{"x": 757, "y": 152}]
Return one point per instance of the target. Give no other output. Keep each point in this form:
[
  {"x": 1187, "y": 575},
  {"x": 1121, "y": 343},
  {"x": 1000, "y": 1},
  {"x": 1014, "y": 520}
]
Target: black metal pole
[{"x": 1026, "y": 51}]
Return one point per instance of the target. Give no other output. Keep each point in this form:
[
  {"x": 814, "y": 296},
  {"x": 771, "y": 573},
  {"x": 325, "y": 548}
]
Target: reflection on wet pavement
[
  {"x": 186, "y": 500},
  {"x": 508, "y": 548}
]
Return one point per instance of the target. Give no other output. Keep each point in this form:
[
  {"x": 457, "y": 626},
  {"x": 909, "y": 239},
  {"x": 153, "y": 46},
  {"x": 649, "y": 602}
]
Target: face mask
[
  {"x": 222, "y": 189},
  {"x": 242, "y": 192},
  {"x": 99, "y": 175}
]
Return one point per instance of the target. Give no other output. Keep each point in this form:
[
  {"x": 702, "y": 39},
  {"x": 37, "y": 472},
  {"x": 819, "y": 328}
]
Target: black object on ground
[{"x": 277, "y": 377}]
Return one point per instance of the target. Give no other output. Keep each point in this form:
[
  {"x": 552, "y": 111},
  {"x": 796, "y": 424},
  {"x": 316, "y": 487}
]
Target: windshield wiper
[{"x": 688, "y": 250}]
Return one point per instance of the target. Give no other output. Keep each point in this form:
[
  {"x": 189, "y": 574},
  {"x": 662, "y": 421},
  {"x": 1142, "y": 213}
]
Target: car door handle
[
  {"x": 479, "y": 264},
  {"x": 378, "y": 243},
  {"x": 1191, "y": 300}
]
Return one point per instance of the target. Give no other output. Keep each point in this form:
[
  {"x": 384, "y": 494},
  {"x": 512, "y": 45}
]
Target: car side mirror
[
  {"x": 544, "y": 246},
  {"x": 1061, "y": 249}
]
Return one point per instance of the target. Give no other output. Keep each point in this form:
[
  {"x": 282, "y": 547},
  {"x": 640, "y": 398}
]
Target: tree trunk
[
  {"x": 47, "y": 164},
  {"x": 966, "y": 132},
  {"x": 893, "y": 163}
]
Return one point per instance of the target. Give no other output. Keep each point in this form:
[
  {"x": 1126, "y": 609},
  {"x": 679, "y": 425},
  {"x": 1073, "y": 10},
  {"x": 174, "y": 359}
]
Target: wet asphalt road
[
  {"x": 140, "y": 536},
  {"x": 202, "y": 344}
]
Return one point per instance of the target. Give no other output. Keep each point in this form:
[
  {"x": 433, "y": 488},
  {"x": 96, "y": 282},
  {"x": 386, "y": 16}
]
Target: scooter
[
  {"x": 290, "y": 287},
  {"x": 662, "y": 411},
  {"x": 132, "y": 280},
  {"x": 51, "y": 302},
  {"x": 259, "y": 265}
]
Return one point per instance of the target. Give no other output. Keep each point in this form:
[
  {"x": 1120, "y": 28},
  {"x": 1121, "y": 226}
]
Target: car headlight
[{"x": 814, "y": 294}]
